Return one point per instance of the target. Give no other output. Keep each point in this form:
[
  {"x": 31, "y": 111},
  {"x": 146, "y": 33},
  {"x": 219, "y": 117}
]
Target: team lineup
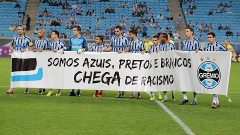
[{"x": 119, "y": 44}]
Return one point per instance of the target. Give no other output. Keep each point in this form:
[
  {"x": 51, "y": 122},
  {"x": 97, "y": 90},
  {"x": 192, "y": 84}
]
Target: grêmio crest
[{"x": 208, "y": 73}]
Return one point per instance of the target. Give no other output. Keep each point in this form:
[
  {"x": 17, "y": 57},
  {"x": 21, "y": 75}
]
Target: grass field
[{"x": 33, "y": 114}]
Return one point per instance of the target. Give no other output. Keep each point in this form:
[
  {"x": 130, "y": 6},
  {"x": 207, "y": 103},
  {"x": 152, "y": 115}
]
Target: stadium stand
[
  {"x": 9, "y": 16},
  {"x": 86, "y": 22},
  {"x": 225, "y": 14}
]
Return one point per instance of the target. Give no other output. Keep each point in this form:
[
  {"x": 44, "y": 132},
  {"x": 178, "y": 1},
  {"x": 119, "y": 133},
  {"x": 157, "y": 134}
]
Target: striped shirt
[
  {"x": 118, "y": 43},
  {"x": 20, "y": 43},
  {"x": 191, "y": 45},
  {"x": 166, "y": 47},
  {"x": 41, "y": 44},
  {"x": 154, "y": 48},
  {"x": 96, "y": 47},
  {"x": 56, "y": 45},
  {"x": 136, "y": 46},
  {"x": 76, "y": 43},
  {"x": 214, "y": 47}
]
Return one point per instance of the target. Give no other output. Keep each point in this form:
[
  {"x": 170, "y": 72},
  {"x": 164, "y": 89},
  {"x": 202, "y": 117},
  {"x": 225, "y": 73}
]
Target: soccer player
[
  {"x": 21, "y": 42},
  {"x": 41, "y": 44},
  {"x": 96, "y": 48},
  {"x": 55, "y": 45},
  {"x": 212, "y": 45},
  {"x": 165, "y": 46},
  {"x": 190, "y": 44},
  {"x": 76, "y": 43},
  {"x": 155, "y": 48},
  {"x": 147, "y": 43},
  {"x": 135, "y": 46},
  {"x": 118, "y": 44}
]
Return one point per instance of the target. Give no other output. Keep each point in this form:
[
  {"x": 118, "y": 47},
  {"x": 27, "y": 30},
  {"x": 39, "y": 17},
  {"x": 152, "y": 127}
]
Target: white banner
[{"x": 203, "y": 72}]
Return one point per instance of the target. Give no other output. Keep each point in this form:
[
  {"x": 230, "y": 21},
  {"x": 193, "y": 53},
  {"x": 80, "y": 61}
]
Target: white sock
[
  {"x": 165, "y": 94},
  {"x": 185, "y": 95}
]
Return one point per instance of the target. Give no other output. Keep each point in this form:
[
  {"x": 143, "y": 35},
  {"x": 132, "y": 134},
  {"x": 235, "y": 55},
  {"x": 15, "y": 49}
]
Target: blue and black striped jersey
[
  {"x": 20, "y": 43},
  {"x": 96, "y": 48},
  {"x": 136, "y": 46},
  {"x": 191, "y": 45},
  {"x": 118, "y": 43},
  {"x": 214, "y": 47},
  {"x": 56, "y": 45},
  {"x": 41, "y": 44}
]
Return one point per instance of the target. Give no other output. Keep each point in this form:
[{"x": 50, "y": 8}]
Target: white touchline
[{"x": 180, "y": 123}]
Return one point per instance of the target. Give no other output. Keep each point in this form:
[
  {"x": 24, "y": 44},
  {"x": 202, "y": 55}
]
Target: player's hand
[
  {"x": 22, "y": 50},
  {"x": 120, "y": 51},
  {"x": 41, "y": 50},
  {"x": 34, "y": 50},
  {"x": 83, "y": 51},
  {"x": 142, "y": 52},
  {"x": 54, "y": 50},
  {"x": 11, "y": 50},
  {"x": 157, "y": 51},
  {"x": 150, "y": 52},
  {"x": 102, "y": 50}
]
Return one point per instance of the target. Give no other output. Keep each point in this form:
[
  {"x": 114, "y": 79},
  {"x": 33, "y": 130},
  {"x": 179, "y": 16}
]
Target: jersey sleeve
[
  {"x": 62, "y": 44},
  {"x": 92, "y": 49},
  {"x": 197, "y": 45},
  {"x": 222, "y": 47},
  {"x": 172, "y": 47},
  {"x": 28, "y": 41},
  {"x": 46, "y": 45},
  {"x": 112, "y": 41},
  {"x": 126, "y": 42},
  {"x": 183, "y": 46},
  {"x": 142, "y": 48},
  {"x": 205, "y": 47}
]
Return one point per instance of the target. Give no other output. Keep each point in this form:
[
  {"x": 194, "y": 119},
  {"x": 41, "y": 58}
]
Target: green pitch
[{"x": 33, "y": 114}]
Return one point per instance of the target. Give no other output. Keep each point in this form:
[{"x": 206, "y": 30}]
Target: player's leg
[
  {"x": 122, "y": 94},
  {"x": 100, "y": 93},
  {"x": 50, "y": 92},
  {"x": 152, "y": 96},
  {"x": 119, "y": 94},
  {"x": 194, "y": 102},
  {"x": 173, "y": 96},
  {"x": 132, "y": 95},
  {"x": 72, "y": 93},
  {"x": 185, "y": 98},
  {"x": 165, "y": 99},
  {"x": 26, "y": 91},
  {"x": 159, "y": 95},
  {"x": 10, "y": 91},
  {"x": 59, "y": 92},
  {"x": 96, "y": 93},
  {"x": 78, "y": 93},
  {"x": 215, "y": 102},
  {"x": 139, "y": 95}
]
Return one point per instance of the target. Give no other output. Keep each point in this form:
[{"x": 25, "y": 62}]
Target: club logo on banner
[
  {"x": 26, "y": 70},
  {"x": 209, "y": 74}
]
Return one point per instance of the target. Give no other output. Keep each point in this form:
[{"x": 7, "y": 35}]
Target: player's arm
[
  {"x": 12, "y": 46},
  {"x": 70, "y": 45},
  {"x": 142, "y": 48},
  {"x": 85, "y": 45},
  {"x": 109, "y": 48},
  {"x": 150, "y": 50},
  {"x": 197, "y": 46},
  {"x": 34, "y": 48},
  {"x": 127, "y": 49},
  {"x": 231, "y": 49},
  {"x": 46, "y": 45}
]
